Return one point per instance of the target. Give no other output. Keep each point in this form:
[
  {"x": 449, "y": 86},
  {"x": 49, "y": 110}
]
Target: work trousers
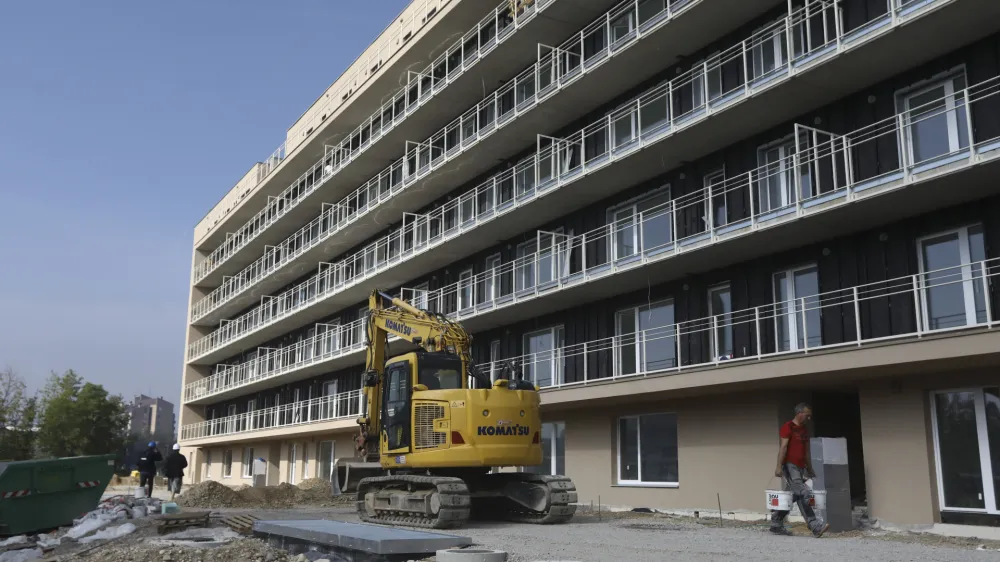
[{"x": 795, "y": 482}]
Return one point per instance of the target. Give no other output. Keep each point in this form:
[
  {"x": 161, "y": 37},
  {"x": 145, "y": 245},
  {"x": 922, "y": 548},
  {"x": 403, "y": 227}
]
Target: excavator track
[
  {"x": 561, "y": 504},
  {"x": 395, "y": 500}
]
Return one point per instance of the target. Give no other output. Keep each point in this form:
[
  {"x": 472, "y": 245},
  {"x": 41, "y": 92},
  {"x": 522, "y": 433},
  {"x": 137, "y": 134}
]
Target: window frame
[
  {"x": 640, "y": 345},
  {"x": 492, "y": 277},
  {"x": 553, "y": 454},
  {"x": 466, "y": 293},
  {"x": 495, "y": 350},
  {"x": 618, "y": 454},
  {"x": 709, "y": 181},
  {"x": 632, "y": 206},
  {"x": 227, "y": 463},
  {"x": 792, "y": 313},
  {"x": 421, "y": 294},
  {"x": 727, "y": 286},
  {"x": 248, "y": 460},
  {"x": 946, "y": 80},
  {"x": 557, "y": 362},
  {"x": 969, "y": 283}
]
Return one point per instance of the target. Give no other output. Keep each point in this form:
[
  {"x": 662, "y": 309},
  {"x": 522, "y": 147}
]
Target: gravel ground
[{"x": 634, "y": 537}]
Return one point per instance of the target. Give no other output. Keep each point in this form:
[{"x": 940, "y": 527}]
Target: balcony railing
[
  {"x": 558, "y": 162},
  {"x": 344, "y": 405},
  {"x": 421, "y": 86},
  {"x": 818, "y": 173},
  {"x": 555, "y": 69},
  {"x": 923, "y": 304}
]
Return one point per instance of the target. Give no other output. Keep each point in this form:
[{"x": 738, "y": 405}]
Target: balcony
[
  {"x": 949, "y": 301},
  {"x": 413, "y": 111},
  {"x": 622, "y": 256},
  {"x": 586, "y": 159},
  {"x": 342, "y": 406},
  {"x": 499, "y": 126}
]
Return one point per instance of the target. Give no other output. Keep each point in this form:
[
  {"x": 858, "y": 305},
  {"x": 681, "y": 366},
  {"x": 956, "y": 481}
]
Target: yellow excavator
[{"x": 438, "y": 445}]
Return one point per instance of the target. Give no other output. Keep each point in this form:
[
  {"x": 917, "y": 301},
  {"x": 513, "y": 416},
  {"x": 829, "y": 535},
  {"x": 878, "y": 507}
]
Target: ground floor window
[
  {"x": 248, "y": 462},
  {"x": 553, "y": 450},
  {"x": 208, "y": 464},
  {"x": 967, "y": 446},
  {"x": 291, "y": 463},
  {"x": 227, "y": 463},
  {"x": 647, "y": 449},
  {"x": 324, "y": 455}
]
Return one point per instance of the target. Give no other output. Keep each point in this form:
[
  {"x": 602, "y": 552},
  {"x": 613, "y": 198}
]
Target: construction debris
[
  {"x": 249, "y": 550},
  {"x": 242, "y": 524}
]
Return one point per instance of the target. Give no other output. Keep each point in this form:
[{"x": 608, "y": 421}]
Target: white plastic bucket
[
  {"x": 779, "y": 500},
  {"x": 817, "y": 500}
]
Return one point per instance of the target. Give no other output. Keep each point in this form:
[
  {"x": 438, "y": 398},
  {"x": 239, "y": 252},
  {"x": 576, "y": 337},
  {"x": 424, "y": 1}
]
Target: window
[
  {"x": 622, "y": 26},
  {"x": 329, "y": 407},
  {"x": 646, "y": 338},
  {"x": 935, "y": 120},
  {"x": 543, "y": 362},
  {"x": 465, "y": 293},
  {"x": 966, "y": 427},
  {"x": 768, "y": 49},
  {"x": 324, "y": 456},
  {"x": 305, "y": 462},
  {"x": 647, "y": 449},
  {"x": 291, "y": 463},
  {"x": 720, "y": 307},
  {"x": 951, "y": 265},
  {"x": 208, "y": 464},
  {"x": 715, "y": 190},
  {"x": 553, "y": 450},
  {"x": 797, "y": 309},
  {"x": 227, "y": 463},
  {"x": 524, "y": 274},
  {"x": 436, "y": 373},
  {"x": 644, "y": 224},
  {"x": 553, "y": 255},
  {"x": 623, "y": 124},
  {"x": 776, "y": 176},
  {"x": 248, "y": 462},
  {"x": 359, "y": 336},
  {"x": 420, "y": 296},
  {"x": 494, "y": 360},
  {"x": 492, "y": 278}
]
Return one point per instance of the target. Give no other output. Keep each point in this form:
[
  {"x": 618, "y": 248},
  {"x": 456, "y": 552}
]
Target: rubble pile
[
  {"x": 213, "y": 495},
  {"x": 319, "y": 492},
  {"x": 210, "y": 494}
]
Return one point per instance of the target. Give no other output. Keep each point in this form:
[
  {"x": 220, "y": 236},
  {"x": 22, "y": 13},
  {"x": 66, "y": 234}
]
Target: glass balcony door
[
  {"x": 966, "y": 427},
  {"x": 953, "y": 294}
]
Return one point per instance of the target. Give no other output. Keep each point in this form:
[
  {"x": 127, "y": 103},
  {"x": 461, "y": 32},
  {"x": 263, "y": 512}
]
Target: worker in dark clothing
[
  {"x": 795, "y": 467},
  {"x": 147, "y": 467},
  {"x": 173, "y": 469}
]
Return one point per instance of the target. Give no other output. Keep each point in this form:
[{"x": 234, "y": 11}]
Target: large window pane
[
  {"x": 796, "y": 309},
  {"x": 657, "y": 222},
  {"x": 648, "y": 449},
  {"x": 659, "y": 349},
  {"x": 958, "y": 443},
  {"x": 658, "y": 451},
  {"x": 992, "y": 402},
  {"x": 543, "y": 364},
  {"x": 627, "y": 350},
  {"x": 945, "y": 295},
  {"x": 628, "y": 443},
  {"x": 721, "y": 308}
]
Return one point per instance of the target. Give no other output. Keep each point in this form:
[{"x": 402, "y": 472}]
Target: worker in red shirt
[{"x": 795, "y": 467}]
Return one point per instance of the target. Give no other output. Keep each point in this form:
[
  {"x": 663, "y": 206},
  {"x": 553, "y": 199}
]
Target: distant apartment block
[
  {"x": 680, "y": 217},
  {"x": 152, "y": 417}
]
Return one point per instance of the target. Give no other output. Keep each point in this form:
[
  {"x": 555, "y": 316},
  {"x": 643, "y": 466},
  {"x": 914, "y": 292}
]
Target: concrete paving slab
[{"x": 371, "y": 539}]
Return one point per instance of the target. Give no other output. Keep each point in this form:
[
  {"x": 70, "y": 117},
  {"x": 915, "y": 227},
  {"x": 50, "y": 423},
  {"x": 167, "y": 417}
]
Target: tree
[
  {"x": 80, "y": 418},
  {"x": 17, "y": 418}
]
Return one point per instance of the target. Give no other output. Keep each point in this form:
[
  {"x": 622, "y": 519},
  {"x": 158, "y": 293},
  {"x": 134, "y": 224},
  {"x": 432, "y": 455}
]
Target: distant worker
[
  {"x": 173, "y": 469},
  {"x": 147, "y": 467},
  {"x": 795, "y": 467}
]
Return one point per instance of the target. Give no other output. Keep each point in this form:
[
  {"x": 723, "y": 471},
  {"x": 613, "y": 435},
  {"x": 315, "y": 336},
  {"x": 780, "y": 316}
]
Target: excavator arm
[{"x": 390, "y": 316}]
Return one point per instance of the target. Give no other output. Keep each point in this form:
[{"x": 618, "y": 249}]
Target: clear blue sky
[{"x": 121, "y": 123}]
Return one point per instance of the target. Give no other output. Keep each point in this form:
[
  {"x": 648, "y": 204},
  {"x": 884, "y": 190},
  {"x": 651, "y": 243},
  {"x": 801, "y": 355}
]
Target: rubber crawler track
[
  {"x": 562, "y": 509},
  {"x": 453, "y": 493}
]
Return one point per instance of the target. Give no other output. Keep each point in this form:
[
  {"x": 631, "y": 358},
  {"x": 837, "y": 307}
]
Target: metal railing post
[
  {"x": 857, "y": 316},
  {"x": 917, "y": 309}
]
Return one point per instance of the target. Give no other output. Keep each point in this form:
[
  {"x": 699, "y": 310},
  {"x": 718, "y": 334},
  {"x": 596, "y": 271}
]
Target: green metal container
[{"x": 44, "y": 494}]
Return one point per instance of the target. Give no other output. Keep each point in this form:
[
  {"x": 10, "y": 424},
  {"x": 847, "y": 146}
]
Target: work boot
[{"x": 781, "y": 531}]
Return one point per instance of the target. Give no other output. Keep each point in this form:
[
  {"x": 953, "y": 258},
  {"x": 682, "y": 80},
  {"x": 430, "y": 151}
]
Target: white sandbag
[
  {"x": 47, "y": 541},
  {"x": 110, "y": 533}
]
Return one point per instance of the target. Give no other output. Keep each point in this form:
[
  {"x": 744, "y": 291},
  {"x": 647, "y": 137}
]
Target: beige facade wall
[
  {"x": 726, "y": 446},
  {"x": 277, "y": 453}
]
